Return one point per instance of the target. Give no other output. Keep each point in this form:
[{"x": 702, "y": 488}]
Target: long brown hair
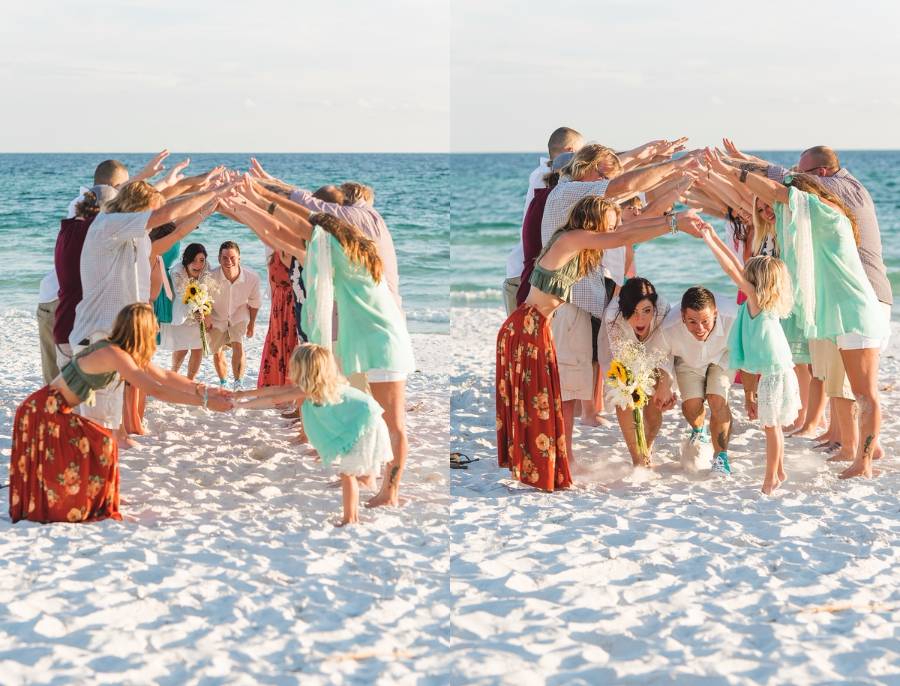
[
  {"x": 809, "y": 184},
  {"x": 589, "y": 214},
  {"x": 359, "y": 249},
  {"x": 134, "y": 331},
  {"x": 593, "y": 157}
]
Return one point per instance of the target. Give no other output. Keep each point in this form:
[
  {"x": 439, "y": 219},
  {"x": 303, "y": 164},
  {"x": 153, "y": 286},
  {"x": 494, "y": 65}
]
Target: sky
[
  {"x": 224, "y": 76},
  {"x": 771, "y": 75},
  {"x": 433, "y": 75}
]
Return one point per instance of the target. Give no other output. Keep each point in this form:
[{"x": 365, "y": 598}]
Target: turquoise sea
[
  {"x": 488, "y": 193},
  {"x": 410, "y": 192}
]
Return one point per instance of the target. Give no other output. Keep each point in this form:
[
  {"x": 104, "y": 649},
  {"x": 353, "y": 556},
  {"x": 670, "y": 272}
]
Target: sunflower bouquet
[
  {"x": 630, "y": 382},
  {"x": 199, "y": 301}
]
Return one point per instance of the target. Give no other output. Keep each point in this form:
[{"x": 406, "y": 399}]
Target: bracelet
[
  {"x": 271, "y": 209},
  {"x": 673, "y": 223}
]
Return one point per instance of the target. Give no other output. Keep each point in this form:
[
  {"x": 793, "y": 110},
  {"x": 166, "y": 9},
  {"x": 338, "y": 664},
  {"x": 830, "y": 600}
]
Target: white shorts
[
  {"x": 855, "y": 341},
  {"x": 384, "y": 375}
]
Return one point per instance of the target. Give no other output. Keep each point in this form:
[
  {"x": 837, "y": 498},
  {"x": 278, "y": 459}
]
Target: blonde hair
[
  {"x": 135, "y": 196},
  {"x": 354, "y": 192},
  {"x": 762, "y": 229},
  {"x": 314, "y": 371},
  {"x": 593, "y": 157},
  {"x": 589, "y": 214},
  {"x": 770, "y": 279},
  {"x": 134, "y": 331},
  {"x": 359, "y": 249}
]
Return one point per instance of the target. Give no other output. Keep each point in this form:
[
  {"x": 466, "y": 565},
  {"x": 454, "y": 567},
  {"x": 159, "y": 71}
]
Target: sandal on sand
[{"x": 460, "y": 461}]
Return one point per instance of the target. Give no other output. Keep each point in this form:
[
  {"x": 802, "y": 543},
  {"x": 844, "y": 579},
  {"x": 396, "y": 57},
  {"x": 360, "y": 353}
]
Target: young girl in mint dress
[
  {"x": 757, "y": 345},
  {"x": 344, "y": 425}
]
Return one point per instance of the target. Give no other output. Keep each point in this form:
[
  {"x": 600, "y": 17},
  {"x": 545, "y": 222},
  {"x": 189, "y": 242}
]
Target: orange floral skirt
[
  {"x": 531, "y": 435},
  {"x": 64, "y": 467}
]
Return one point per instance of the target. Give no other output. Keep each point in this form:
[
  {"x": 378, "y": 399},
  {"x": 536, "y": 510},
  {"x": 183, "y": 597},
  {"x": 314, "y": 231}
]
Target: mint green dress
[
  {"x": 349, "y": 434},
  {"x": 758, "y": 345},
  {"x": 844, "y": 299},
  {"x": 372, "y": 331}
]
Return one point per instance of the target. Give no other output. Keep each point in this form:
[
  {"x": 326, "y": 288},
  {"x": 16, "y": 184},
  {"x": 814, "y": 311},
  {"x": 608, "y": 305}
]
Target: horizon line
[{"x": 365, "y": 152}]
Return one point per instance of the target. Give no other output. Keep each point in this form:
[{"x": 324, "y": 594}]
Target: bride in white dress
[{"x": 183, "y": 334}]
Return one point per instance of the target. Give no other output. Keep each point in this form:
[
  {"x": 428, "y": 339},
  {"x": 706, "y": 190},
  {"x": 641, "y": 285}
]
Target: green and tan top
[
  {"x": 80, "y": 382},
  {"x": 557, "y": 282}
]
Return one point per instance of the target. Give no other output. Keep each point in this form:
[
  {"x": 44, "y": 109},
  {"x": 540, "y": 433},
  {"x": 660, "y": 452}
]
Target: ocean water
[
  {"x": 488, "y": 195},
  {"x": 410, "y": 192}
]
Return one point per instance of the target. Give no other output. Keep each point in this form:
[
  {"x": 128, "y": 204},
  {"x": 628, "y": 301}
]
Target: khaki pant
[
  {"x": 510, "y": 288},
  {"x": 828, "y": 366},
  {"x": 571, "y": 328},
  {"x": 46, "y": 315}
]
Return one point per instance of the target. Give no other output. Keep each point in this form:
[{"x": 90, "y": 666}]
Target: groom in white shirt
[{"x": 696, "y": 340}]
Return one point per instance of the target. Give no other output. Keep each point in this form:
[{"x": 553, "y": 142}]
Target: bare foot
[
  {"x": 596, "y": 420},
  {"x": 367, "y": 482},
  {"x": 805, "y": 432},
  {"x": 293, "y": 414},
  {"x": 879, "y": 452},
  {"x": 841, "y": 456},
  {"x": 782, "y": 477},
  {"x": 346, "y": 522},
  {"x": 827, "y": 447},
  {"x": 796, "y": 426},
  {"x": 382, "y": 499},
  {"x": 859, "y": 469},
  {"x": 826, "y": 437},
  {"x": 770, "y": 485},
  {"x": 127, "y": 443}
]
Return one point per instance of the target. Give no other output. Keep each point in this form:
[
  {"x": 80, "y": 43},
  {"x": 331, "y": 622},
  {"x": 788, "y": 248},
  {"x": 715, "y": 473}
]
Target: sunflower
[
  {"x": 639, "y": 398},
  {"x": 617, "y": 372}
]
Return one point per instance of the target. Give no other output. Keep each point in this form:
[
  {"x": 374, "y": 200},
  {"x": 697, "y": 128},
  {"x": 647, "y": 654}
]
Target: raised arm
[
  {"x": 152, "y": 168},
  {"x": 667, "y": 194},
  {"x": 182, "y": 227},
  {"x": 768, "y": 191},
  {"x": 648, "y": 152},
  {"x": 265, "y": 226},
  {"x": 729, "y": 263},
  {"x": 637, "y": 230},
  {"x": 647, "y": 177}
]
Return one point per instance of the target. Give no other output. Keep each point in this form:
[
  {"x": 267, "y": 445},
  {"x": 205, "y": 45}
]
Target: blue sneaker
[{"x": 720, "y": 464}]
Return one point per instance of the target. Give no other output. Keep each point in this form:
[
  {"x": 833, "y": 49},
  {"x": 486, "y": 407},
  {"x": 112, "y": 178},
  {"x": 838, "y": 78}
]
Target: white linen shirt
[
  {"x": 680, "y": 343},
  {"x": 115, "y": 271},
  {"x": 515, "y": 261},
  {"x": 232, "y": 301}
]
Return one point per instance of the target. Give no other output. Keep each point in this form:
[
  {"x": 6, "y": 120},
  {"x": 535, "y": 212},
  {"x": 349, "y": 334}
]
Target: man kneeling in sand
[{"x": 696, "y": 340}]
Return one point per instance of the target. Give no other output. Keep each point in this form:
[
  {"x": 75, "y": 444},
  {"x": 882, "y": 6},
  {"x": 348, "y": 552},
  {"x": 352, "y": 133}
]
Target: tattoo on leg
[
  {"x": 867, "y": 447},
  {"x": 393, "y": 475}
]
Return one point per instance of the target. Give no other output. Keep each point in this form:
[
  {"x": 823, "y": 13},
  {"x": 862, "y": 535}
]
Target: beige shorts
[
  {"x": 696, "y": 382},
  {"x": 233, "y": 334},
  {"x": 510, "y": 288},
  {"x": 571, "y": 327},
  {"x": 828, "y": 366}
]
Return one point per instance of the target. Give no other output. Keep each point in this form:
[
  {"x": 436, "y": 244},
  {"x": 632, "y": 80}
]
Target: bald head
[
  {"x": 563, "y": 140},
  {"x": 819, "y": 160},
  {"x": 110, "y": 173}
]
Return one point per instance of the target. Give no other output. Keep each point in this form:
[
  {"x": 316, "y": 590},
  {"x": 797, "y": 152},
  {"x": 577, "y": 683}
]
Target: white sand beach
[
  {"x": 227, "y": 568},
  {"x": 676, "y": 579}
]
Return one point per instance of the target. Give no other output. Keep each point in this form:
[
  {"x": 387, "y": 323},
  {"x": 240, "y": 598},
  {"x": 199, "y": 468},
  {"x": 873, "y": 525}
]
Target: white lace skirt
[
  {"x": 778, "y": 399},
  {"x": 369, "y": 454}
]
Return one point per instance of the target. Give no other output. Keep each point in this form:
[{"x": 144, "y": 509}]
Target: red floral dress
[
  {"x": 281, "y": 338},
  {"x": 63, "y": 467},
  {"x": 531, "y": 435}
]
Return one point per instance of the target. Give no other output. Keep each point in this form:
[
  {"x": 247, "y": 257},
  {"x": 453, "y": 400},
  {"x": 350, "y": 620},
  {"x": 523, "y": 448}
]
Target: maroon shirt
[
  {"x": 67, "y": 258},
  {"x": 531, "y": 239}
]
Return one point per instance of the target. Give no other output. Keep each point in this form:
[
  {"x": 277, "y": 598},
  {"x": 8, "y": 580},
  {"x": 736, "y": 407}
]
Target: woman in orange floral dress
[
  {"x": 531, "y": 434},
  {"x": 281, "y": 338},
  {"x": 64, "y": 467}
]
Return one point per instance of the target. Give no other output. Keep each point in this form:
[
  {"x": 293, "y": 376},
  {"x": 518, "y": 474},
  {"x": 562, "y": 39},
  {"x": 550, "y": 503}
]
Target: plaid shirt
[{"x": 590, "y": 292}]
